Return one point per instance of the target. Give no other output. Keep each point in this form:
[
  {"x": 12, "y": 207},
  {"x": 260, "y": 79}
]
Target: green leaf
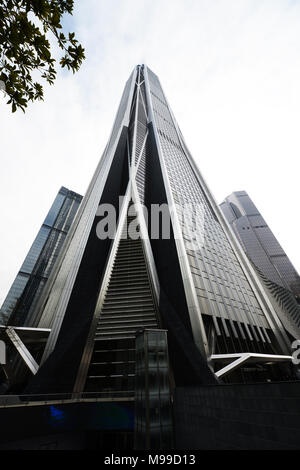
[{"x": 25, "y": 48}]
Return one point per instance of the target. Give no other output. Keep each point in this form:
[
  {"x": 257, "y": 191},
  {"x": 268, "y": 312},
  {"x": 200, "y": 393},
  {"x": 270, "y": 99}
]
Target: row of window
[{"x": 214, "y": 258}]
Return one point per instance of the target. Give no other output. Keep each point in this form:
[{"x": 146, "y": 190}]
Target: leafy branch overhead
[{"x": 25, "y": 49}]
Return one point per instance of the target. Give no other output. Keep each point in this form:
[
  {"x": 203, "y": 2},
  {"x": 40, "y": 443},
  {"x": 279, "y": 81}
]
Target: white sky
[{"x": 231, "y": 72}]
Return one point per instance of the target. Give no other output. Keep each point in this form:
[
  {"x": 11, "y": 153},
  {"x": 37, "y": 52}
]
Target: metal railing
[{"x": 38, "y": 399}]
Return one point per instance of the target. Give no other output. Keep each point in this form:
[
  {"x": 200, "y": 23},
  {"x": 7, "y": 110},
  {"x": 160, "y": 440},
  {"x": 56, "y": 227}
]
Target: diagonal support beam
[
  {"x": 22, "y": 350},
  {"x": 233, "y": 365},
  {"x": 239, "y": 358}
]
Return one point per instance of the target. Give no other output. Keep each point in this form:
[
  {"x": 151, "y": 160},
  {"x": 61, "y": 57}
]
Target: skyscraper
[
  {"x": 194, "y": 281},
  {"x": 22, "y": 298},
  {"x": 259, "y": 242},
  {"x": 269, "y": 259}
]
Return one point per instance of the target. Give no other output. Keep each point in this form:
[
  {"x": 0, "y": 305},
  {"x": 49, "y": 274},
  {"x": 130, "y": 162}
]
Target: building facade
[
  {"x": 194, "y": 281},
  {"x": 24, "y": 294},
  {"x": 259, "y": 242},
  {"x": 280, "y": 278}
]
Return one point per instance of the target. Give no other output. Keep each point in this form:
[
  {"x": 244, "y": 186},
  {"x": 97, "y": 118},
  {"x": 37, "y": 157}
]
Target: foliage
[{"x": 24, "y": 47}]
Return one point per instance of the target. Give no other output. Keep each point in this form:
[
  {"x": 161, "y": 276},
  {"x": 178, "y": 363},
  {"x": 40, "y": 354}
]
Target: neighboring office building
[
  {"x": 22, "y": 298},
  {"x": 3, "y": 318},
  {"x": 266, "y": 254}
]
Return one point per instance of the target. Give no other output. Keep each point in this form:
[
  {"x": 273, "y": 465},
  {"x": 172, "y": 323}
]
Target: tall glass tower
[
  {"x": 192, "y": 280},
  {"x": 24, "y": 294},
  {"x": 279, "y": 276},
  {"x": 259, "y": 242}
]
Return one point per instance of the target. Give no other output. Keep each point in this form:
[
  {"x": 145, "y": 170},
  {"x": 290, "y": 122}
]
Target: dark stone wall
[
  {"x": 242, "y": 416},
  {"x": 66, "y": 424}
]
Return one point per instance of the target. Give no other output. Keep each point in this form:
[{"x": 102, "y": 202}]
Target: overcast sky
[{"x": 231, "y": 72}]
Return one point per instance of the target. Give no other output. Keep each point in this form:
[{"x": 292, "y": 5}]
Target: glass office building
[
  {"x": 259, "y": 242},
  {"x": 23, "y": 296},
  {"x": 195, "y": 281},
  {"x": 267, "y": 256}
]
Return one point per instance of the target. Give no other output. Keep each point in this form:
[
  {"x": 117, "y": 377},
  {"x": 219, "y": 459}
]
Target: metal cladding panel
[
  {"x": 70, "y": 330},
  {"x": 224, "y": 291},
  {"x": 62, "y": 281},
  {"x": 126, "y": 305}
]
